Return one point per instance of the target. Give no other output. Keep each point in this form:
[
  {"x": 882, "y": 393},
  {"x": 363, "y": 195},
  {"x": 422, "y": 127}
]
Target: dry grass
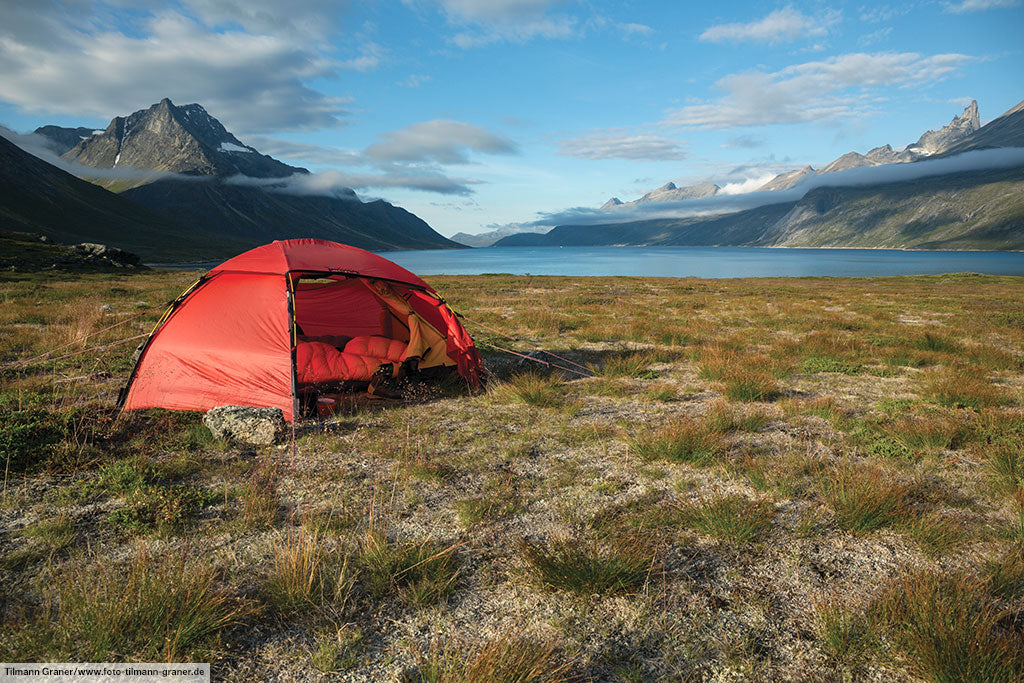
[
  {"x": 693, "y": 528},
  {"x": 153, "y": 609},
  {"x": 865, "y": 498},
  {"x": 684, "y": 441},
  {"x": 949, "y": 628},
  {"x": 505, "y": 659}
]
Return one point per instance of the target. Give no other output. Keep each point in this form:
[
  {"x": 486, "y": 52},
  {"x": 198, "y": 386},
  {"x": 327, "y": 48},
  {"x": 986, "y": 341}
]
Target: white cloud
[
  {"x": 441, "y": 141},
  {"x": 415, "y": 81},
  {"x": 485, "y": 22},
  {"x": 834, "y": 88},
  {"x": 622, "y": 145},
  {"x": 72, "y": 63},
  {"x": 980, "y": 5},
  {"x": 335, "y": 183},
  {"x": 781, "y": 26},
  {"x": 875, "y": 36},
  {"x": 303, "y": 19},
  {"x": 370, "y": 56}
]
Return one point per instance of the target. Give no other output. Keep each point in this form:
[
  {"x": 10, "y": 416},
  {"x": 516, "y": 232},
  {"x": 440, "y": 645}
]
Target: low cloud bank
[
  {"x": 978, "y": 160},
  {"x": 337, "y": 184},
  {"x": 43, "y": 148},
  {"x": 340, "y": 184}
]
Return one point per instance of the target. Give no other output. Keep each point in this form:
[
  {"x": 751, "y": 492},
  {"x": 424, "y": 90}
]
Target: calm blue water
[{"x": 704, "y": 261}]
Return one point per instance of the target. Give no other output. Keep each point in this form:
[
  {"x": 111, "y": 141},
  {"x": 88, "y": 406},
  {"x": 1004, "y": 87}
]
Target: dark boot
[{"x": 382, "y": 383}]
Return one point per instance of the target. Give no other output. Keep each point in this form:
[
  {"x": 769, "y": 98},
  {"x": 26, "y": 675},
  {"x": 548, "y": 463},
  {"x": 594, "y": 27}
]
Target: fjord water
[{"x": 712, "y": 262}]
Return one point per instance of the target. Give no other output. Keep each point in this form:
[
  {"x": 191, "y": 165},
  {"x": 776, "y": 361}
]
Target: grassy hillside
[
  {"x": 767, "y": 479},
  {"x": 979, "y": 210}
]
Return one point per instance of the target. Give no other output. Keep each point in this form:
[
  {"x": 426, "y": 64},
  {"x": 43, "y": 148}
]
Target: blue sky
[{"x": 477, "y": 113}]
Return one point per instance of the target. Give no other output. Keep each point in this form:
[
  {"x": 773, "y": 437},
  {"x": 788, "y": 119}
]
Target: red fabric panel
[
  {"x": 460, "y": 345},
  {"x": 312, "y": 255},
  {"x": 226, "y": 344},
  {"x": 347, "y": 307},
  {"x": 319, "y": 362},
  {"x": 378, "y": 347}
]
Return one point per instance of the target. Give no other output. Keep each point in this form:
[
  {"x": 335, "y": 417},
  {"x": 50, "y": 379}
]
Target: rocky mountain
[
  {"x": 62, "y": 139},
  {"x": 217, "y": 202},
  {"x": 931, "y": 142},
  {"x": 963, "y": 210},
  {"x": 668, "y": 192},
  {"x": 175, "y": 139},
  {"x": 784, "y": 181},
  {"x": 936, "y": 141},
  {"x": 37, "y": 197},
  {"x": 1005, "y": 131},
  {"x": 486, "y": 239}
]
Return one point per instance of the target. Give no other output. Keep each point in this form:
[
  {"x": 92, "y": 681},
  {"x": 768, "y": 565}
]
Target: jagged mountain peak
[
  {"x": 937, "y": 141},
  {"x": 185, "y": 139},
  {"x": 613, "y": 202}
]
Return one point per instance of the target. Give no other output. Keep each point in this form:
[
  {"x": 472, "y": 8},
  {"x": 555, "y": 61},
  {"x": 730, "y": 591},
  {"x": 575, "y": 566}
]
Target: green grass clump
[
  {"x": 845, "y": 633},
  {"x": 162, "y": 508},
  {"x": 506, "y": 659},
  {"x": 588, "y": 567},
  {"x": 419, "y": 573},
  {"x": 152, "y": 610},
  {"x": 865, "y": 498},
  {"x": 949, "y": 628},
  {"x": 749, "y": 385},
  {"x": 733, "y": 518},
  {"x": 337, "y": 650},
  {"x": 684, "y": 441},
  {"x": 543, "y": 391},
  {"x": 816, "y": 364}
]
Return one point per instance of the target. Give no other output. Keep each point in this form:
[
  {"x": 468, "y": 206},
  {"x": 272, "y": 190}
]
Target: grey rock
[
  {"x": 105, "y": 255},
  {"x": 243, "y": 424}
]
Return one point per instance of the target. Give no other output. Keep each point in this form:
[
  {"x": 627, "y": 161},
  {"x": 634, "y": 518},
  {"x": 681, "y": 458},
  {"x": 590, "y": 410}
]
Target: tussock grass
[
  {"x": 305, "y": 577},
  {"x": 337, "y": 650},
  {"x": 733, "y": 518},
  {"x": 260, "y": 499},
  {"x": 419, "y": 573},
  {"x": 1005, "y": 575},
  {"x": 926, "y": 435},
  {"x": 543, "y": 391},
  {"x": 865, "y": 498},
  {"x": 961, "y": 386},
  {"x": 634, "y": 364},
  {"x": 844, "y": 632},
  {"x": 949, "y": 628},
  {"x": 154, "y": 609},
  {"x": 723, "y": 418},
  {"x": 749, "y": 385},
  {"x": 684, "y": 441},
  {"x": 1005, "y": 459},
  {"x": 610, "y": 565},
  {"x": 505, "y": 659}
]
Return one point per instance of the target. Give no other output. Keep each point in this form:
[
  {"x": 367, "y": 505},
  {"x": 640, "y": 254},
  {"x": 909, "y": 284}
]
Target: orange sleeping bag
[{"x": 319, "y": 362}]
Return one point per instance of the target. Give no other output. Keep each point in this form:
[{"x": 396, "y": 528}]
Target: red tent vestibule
[{"x": 231, "y": 338}]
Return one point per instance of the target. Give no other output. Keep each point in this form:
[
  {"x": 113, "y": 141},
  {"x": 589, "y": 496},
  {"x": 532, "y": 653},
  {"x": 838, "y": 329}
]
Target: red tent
[{"x": 231, "y": 338}]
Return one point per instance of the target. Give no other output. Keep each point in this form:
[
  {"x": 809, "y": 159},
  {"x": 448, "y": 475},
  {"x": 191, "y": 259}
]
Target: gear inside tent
[{"x": 281, "y": 323}]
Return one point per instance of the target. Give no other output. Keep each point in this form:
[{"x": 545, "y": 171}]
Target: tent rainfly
[{"x": 260, "y": 327}]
